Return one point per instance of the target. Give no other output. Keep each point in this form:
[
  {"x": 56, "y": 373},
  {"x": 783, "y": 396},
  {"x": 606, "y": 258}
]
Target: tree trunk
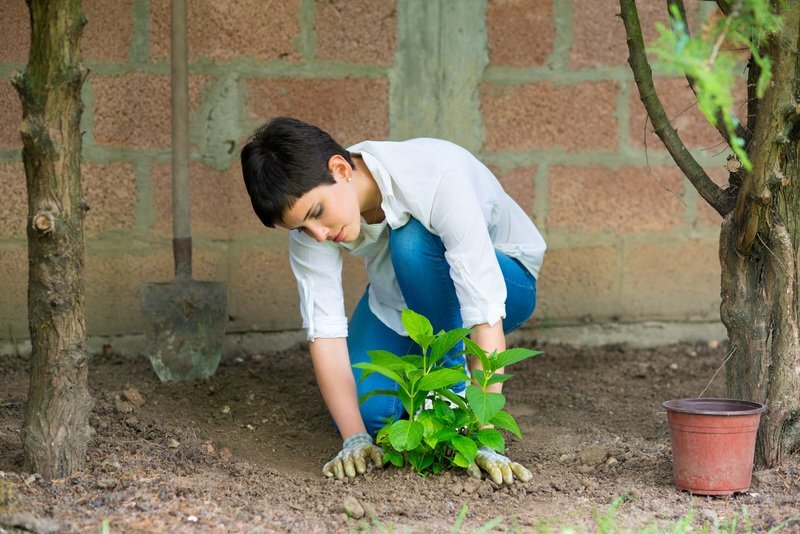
[
  {"x": 758, "y": 255},
  {"x": 56, "y": 428}
]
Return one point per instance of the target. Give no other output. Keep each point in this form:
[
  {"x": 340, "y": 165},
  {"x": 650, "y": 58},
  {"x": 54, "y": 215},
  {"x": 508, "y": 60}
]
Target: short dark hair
[{"x": 285, "y": 159}]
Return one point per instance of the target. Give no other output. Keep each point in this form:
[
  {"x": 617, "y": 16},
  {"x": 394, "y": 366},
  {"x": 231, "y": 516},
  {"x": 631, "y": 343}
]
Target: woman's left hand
[{"x": 499, "y": 468}]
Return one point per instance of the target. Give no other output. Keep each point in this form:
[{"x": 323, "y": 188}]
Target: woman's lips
[{"x": 339, "y": 236}]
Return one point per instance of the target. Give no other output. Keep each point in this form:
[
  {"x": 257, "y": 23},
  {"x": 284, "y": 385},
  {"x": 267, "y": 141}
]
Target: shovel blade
[{"x": 184, "y": 327}]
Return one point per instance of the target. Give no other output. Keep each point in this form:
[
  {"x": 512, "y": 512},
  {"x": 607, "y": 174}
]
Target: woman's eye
[{"x": 319, "y": 213}]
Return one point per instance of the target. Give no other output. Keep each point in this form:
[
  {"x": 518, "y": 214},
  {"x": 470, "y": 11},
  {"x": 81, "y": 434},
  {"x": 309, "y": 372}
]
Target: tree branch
[
  {"x": 720, "y": 122},
  {"x": 711, "y": 192}
]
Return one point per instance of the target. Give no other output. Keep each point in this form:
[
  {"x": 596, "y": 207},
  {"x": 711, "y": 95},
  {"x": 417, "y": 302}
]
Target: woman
[{"x": 440, "y": 236}]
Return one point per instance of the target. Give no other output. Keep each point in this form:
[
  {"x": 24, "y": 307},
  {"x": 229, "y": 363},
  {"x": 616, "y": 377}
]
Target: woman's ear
[{"x": 340, "y": 168}]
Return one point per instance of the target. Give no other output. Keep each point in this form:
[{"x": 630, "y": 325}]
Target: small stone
[
  {"x": 225, "y": 453},
  {"x": 207, "y": 448},
  {"x": 106, "y": 483},
  {"x": 30, "y": 480},
  {"x": 673, "y": 366},
  {"x": 133, "y": 396},
  {"x": 713, "y": 344},
  {"x": 457, "y": 488},
  {"x": 471, "y": 485},
  {"x": 584, "y": 469},
  {"x": 226, "y": 409},
  {"x": 590, "y": 483},
  {"x": 352, "y": 507},
  {"x": 611, "y": 462},
  {"x": 566, "y": 458},
  {"x": 593, "y": 455},
  {"x": 173, "y": 443},
  {"x": 123, "y": 406}
]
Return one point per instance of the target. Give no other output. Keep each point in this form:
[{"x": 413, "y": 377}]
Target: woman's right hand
[{"x": 352, "y": 459}]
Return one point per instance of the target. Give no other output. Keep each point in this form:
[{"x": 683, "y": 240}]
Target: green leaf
[
  {"x": 418, "y": 327},
  {"x": 445, "y": 434},
  {"x": 461, "y": 461},
  {"x": 443, "y": 411},
  {"x": 484, "y": 404},
  {"x": 414, "y": 359},
  {"x": 445, "y": 341},
  {"x": 395, "y": 458},
  {"x": 367, "y": 395},
  {"x": 455, "y": 398},
  {"x": 497, "y": 378},
  {"x": 492, "y": 438},
  {"x": 406, "y": 401},
  {"x": 512, "y": 356},
  {"x": 388, "y": 373},
  {"x": 441, "y": 378},
  {"x": 405, "y": 435},
  {"x": 426, "y": 462},
  {"x": 506, "y": 421},
  {"x": 390, "y": 361},
  {"x": 465, "y": 446},
  {"x": 475, "y": 350},
  {"x": 478, "y": 375}
]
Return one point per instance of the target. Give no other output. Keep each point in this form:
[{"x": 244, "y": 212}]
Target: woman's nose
[{"x": 320, "y": 233}]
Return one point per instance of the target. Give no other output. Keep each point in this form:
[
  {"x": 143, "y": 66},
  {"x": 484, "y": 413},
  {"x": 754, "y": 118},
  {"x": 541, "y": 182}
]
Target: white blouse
[{"x": 454, "y": 196}]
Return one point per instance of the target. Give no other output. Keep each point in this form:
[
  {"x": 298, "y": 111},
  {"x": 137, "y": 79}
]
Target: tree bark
[
  {"x": 758, "y": 254},
  {"x": 56, "y": 428},
  {"x": 759, "y": 237}
]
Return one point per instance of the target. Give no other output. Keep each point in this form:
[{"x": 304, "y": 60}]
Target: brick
[
  {"x": 350, "y": 109},
  {"x": 578, "y": 282},
  {"x": 518, "y": 183},
  {"x": 545, "y": 115},
  {"x": 679, "y": 281},
  {"x": 110, "y": 191},
  {"x": 14, "y": 203},
  {"x": 108, "y": 33},
  {"x": 14, "y": 288},
  {"x": 220, "y": 207},
  {"x": 628, "y": 200},
  {"x": 264, "y": 293},
  {"x": 10, "y": 117},
  {"x": 356, "y": 31},
  {"x": 133, "y": 110},
  {"x": 16, "y": 40},
  {"x": 113, "y": 285},
  {"x": 680, "y": 106},
  {"x": 227, "y": 29},
  {"x": 599, "y": 34},
  {"x": 520, "y": 32},
  {"x": 707, "y": 217}
]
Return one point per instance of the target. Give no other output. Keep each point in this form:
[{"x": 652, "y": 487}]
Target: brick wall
[{"x": 541, "y": 91}]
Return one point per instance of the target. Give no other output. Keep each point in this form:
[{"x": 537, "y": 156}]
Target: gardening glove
[
  {"x": 352, "y": 459},
  {"x": 499, "y": 468}
]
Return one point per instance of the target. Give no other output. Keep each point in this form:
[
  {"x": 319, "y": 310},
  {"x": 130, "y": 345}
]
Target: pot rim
[{"x": 713, "y": 406}]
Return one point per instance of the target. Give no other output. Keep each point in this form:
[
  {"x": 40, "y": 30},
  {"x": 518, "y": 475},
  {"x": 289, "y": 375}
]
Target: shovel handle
[{"x": 182, "y": 242}]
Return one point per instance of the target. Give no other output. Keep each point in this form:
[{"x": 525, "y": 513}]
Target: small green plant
[{"x": 443, "y": 429}]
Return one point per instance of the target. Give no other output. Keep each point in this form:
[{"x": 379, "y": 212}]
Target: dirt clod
[
  {"x": 133, "y": 396},
  {"x": 352, "y": 507},
  {"x": 593, "y": 455}
]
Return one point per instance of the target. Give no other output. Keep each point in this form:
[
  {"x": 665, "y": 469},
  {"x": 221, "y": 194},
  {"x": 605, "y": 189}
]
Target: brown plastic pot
[{"x": 713, "y": 443}]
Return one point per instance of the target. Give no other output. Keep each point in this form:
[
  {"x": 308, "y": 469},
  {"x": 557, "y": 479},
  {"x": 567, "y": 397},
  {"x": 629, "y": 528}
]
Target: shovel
[{"x": 185, "y": 318}]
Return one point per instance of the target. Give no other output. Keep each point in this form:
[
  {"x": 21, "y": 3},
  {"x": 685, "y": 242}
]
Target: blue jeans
[{"x": 424, "y": 278}]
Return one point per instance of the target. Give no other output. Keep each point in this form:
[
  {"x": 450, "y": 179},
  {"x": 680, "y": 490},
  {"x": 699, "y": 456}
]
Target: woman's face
[{"x": 327, "y": 212}]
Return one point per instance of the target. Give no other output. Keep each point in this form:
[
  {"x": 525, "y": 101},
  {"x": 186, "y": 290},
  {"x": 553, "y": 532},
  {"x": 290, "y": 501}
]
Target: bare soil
[{"x": 243, "y": 452}]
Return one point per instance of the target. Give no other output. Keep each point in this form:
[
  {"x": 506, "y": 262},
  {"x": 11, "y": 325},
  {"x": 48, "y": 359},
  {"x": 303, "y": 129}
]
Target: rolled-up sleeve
[
  {"x": 318, "y": 270},
  {"x": 457, "y": 219}
]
